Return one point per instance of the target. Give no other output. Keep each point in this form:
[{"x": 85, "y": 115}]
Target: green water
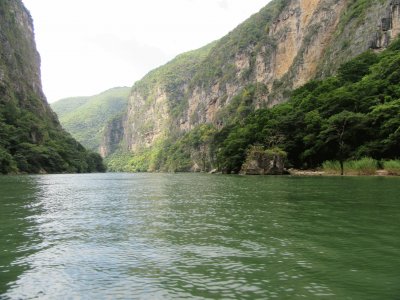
[{"x": 163, "y": 236}]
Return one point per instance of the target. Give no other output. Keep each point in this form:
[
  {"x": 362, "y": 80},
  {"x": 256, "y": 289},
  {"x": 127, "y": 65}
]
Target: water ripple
[{"x": 158, "y": 236}]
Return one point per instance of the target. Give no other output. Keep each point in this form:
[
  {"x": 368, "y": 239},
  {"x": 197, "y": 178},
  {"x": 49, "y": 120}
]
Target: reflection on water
[
  {"x": 199, "y": 236},
  {"x": 18, "y": 235}
]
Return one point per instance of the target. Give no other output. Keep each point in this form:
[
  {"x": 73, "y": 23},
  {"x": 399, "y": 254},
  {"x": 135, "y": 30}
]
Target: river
[{"x": 169, "y": 236}]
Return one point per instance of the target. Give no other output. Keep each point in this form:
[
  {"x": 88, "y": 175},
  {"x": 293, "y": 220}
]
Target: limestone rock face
[
  {"x": 286, "y": 44},
  {"x": 19, "y": 59},
  {"x": 146, "y": 120},
  {"x": 112, "y": 137}
]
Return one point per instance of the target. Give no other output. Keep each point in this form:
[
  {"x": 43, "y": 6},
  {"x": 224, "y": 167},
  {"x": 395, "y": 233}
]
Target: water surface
[{"x": 124, "y": 236}]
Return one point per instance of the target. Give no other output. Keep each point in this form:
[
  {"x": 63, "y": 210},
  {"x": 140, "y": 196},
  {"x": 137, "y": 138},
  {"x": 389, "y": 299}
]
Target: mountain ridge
[
  {"x": 255, "y": 66},
  {"x": 279, "y": 47}
]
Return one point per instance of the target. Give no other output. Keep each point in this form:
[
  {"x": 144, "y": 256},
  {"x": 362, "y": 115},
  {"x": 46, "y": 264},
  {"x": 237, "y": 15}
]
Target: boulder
[{"x": 264, "y": 162}]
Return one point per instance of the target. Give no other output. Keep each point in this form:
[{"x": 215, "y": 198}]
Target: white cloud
[{"x": 92, "y": 45}]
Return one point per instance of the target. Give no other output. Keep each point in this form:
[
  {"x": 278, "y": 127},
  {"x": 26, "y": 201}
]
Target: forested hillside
[
  {"x": 183, "y": 116},
  {"x": 348, "y": 116},
  {"x": 31, "y": 138},
  {"x": 86, "y": 117}
]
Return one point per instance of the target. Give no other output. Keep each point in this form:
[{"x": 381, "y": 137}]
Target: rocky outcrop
[
  {"x": 286, "y": 44},
  {"x": 112, "y": 136},
  {"x": 389, "y": 26},
  {"x": 373, "y": 28},
  {"x": 147, "y": 120},
  {"x": 264, "y": 162}
]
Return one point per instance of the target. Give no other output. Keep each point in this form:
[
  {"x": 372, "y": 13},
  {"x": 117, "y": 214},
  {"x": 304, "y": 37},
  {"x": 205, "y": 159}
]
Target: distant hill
[
  {"x": 67, "y": 105},
  {"x": 85, "y": 117}
]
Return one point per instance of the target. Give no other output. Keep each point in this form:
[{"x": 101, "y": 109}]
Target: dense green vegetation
[
  {"x": 347, "y": 117},
  {"x": 31, "y": 138},
  {"x": 352, "y": 115},
  {"x": 68, "y": 105},
  {"x": 363, "y": 166},
  {"x": 392, "y": 166},
  {"x": 30, "y": 144},
  {"x": 85, "y": 117}
]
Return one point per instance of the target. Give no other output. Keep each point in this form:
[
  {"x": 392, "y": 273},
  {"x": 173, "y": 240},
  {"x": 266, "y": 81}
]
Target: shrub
[
  {"x": 331, "y": 167},
  {"x": 7, "y": 164},
  {"x": 392, "y": 166},
  {"x": 363, "y": 166}
]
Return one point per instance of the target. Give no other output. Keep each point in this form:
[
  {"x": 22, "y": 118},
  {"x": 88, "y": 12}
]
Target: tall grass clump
[
  {"x": 392, "y": 166},
  {"x": 363, "y": 166},
  {"x": 331, "y": 167}
]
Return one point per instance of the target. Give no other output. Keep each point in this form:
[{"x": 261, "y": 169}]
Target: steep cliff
[
  {"x": 31, "y": 138},
  {"x": 159, "y": 99},
  {"x": 112, "y": 134},
  {"x": 20, "y": 61},
  {"x": 286, "y": 44}
]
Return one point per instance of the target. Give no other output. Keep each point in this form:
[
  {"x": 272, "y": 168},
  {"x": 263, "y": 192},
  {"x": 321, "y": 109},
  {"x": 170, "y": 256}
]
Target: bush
[
  {"x": 364, "y": 166},
  {"x": 392, "y": 166},
  {"x": 358, "y": 67},
  {"x": 7, "y": 164},
  {"x": 331, "y": 167}
]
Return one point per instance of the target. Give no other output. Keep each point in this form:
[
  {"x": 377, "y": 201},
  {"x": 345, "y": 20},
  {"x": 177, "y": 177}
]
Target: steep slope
[
  {"x": 286, "y": 44},
  {"x": 350, "y": 116},
  {"x": 158, "y": 100},
  {"x": 31, "y": 138},
  {"x": 84, "y": 117}
]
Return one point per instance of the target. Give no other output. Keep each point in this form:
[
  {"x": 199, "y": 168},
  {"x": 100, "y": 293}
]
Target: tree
[
  {"x": 7, "y": 164},
  {"x": 338, "y": 134},
  {"x": 357, "y": 68},
  {"x": 385, "y": 118}
]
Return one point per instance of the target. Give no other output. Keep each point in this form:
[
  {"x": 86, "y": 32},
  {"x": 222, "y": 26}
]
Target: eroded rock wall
[
  {"x": 297, "y": 40},
  {"x": 19, "y": 60}
]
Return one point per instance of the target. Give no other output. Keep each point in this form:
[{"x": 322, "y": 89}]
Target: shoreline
[{"x": 297, "y": 172}]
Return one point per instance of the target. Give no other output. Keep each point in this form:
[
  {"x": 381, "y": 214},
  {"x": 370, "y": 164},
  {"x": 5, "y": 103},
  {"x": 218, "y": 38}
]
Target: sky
[{"x": 89, "y": 46}]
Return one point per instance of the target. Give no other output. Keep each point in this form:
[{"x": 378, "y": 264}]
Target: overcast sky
[{"x": 88, "y": 46}]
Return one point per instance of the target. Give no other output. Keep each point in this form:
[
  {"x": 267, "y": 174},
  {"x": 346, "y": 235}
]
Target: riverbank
[{"x": 296, "y": 172}]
